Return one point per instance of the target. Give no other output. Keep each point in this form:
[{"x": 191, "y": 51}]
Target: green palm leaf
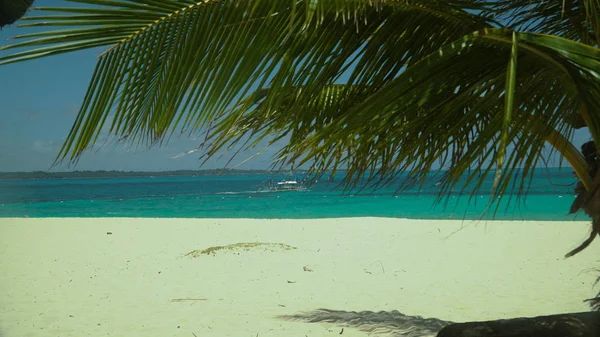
[
  {"x": 446, "y": 108},
  {"x": 177, "y": 64},
  {"x": 573, "y": 19}
]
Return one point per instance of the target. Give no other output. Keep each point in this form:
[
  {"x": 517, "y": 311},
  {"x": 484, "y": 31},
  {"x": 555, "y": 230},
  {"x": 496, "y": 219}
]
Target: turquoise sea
[{"x": 240, "y": 196}]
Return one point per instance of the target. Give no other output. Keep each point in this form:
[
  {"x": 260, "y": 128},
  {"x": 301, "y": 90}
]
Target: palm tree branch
[
  {"x": 377, "y": 98},
  {"x": 150, "y": 99}
]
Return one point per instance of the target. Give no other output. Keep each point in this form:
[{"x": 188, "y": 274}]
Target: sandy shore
[{"x": 68, "y": 277}]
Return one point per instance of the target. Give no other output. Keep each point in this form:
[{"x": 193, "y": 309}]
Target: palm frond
[
  {"x": 175, "y": 65},
  {"x": 572, "y": 19},
  {"x": 448, "y": 108}
]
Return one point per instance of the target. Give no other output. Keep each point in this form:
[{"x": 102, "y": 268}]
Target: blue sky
[{"x": 40, "y": 100}]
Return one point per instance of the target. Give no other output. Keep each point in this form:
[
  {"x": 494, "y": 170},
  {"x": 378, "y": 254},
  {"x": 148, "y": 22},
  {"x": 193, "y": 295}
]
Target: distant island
[
  {"x": 114, "y": 174},
  {"x": 540, "y": 172}
]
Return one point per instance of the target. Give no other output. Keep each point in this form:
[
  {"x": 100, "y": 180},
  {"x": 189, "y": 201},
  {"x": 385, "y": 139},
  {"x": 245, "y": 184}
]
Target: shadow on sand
[{"x": 390, "y": 323}]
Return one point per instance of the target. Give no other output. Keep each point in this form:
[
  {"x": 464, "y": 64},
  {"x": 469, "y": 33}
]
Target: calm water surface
[{"x": 240, "y": 196}]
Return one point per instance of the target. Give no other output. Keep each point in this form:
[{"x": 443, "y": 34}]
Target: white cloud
[{"x": 46, "y": 146}]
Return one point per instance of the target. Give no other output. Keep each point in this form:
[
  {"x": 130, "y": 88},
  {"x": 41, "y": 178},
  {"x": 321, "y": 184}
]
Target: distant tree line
[{"x": 110, "y": 174}]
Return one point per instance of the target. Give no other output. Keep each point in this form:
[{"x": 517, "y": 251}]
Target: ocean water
[{"x": 240, "y": 196}]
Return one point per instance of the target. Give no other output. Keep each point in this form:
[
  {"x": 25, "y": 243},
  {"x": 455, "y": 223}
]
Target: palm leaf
[
  {"x": 509, "y": 105},
  {"x": 175, "y": 65},
  {"x": 446, "y": 108},
  {"x": 573, "y": 19}
]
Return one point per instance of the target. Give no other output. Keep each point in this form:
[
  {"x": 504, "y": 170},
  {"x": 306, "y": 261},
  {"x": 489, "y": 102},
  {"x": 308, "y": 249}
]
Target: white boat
[{"x": 287, "y": 185}]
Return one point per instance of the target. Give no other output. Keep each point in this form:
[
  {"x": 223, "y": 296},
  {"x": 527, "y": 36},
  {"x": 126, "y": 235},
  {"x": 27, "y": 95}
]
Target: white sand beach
[{"x": 68, "y": 277}]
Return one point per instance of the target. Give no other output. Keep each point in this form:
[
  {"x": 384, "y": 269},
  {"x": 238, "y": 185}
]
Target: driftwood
[{"x": 584, "y": 324}]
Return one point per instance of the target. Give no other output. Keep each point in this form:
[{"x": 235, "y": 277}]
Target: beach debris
[
  {"x": 291, "y": 281},
  {"x": 376, "y": 267},
  {"x": 341, "y": 332},
  {"x": 306, "y": 268},
  {"x": 242, "y": 246},
  {"x": 188, "y": 299},
  {"x": 108, "y": 233}
]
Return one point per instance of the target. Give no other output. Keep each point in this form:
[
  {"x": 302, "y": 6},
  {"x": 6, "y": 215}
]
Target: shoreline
[
  {"x": 69, "y": 276},
  {"x": 8, "y": 218}
]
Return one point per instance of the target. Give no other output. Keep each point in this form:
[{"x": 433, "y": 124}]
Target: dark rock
[{"x": 584, "y": 324}]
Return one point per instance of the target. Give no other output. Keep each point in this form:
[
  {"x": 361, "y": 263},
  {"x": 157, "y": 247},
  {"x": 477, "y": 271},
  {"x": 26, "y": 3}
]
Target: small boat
[{"x": 287, "y": 185}]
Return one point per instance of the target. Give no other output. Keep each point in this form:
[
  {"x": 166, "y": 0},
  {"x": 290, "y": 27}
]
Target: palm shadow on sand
[{"x": 389, "y": 323}]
